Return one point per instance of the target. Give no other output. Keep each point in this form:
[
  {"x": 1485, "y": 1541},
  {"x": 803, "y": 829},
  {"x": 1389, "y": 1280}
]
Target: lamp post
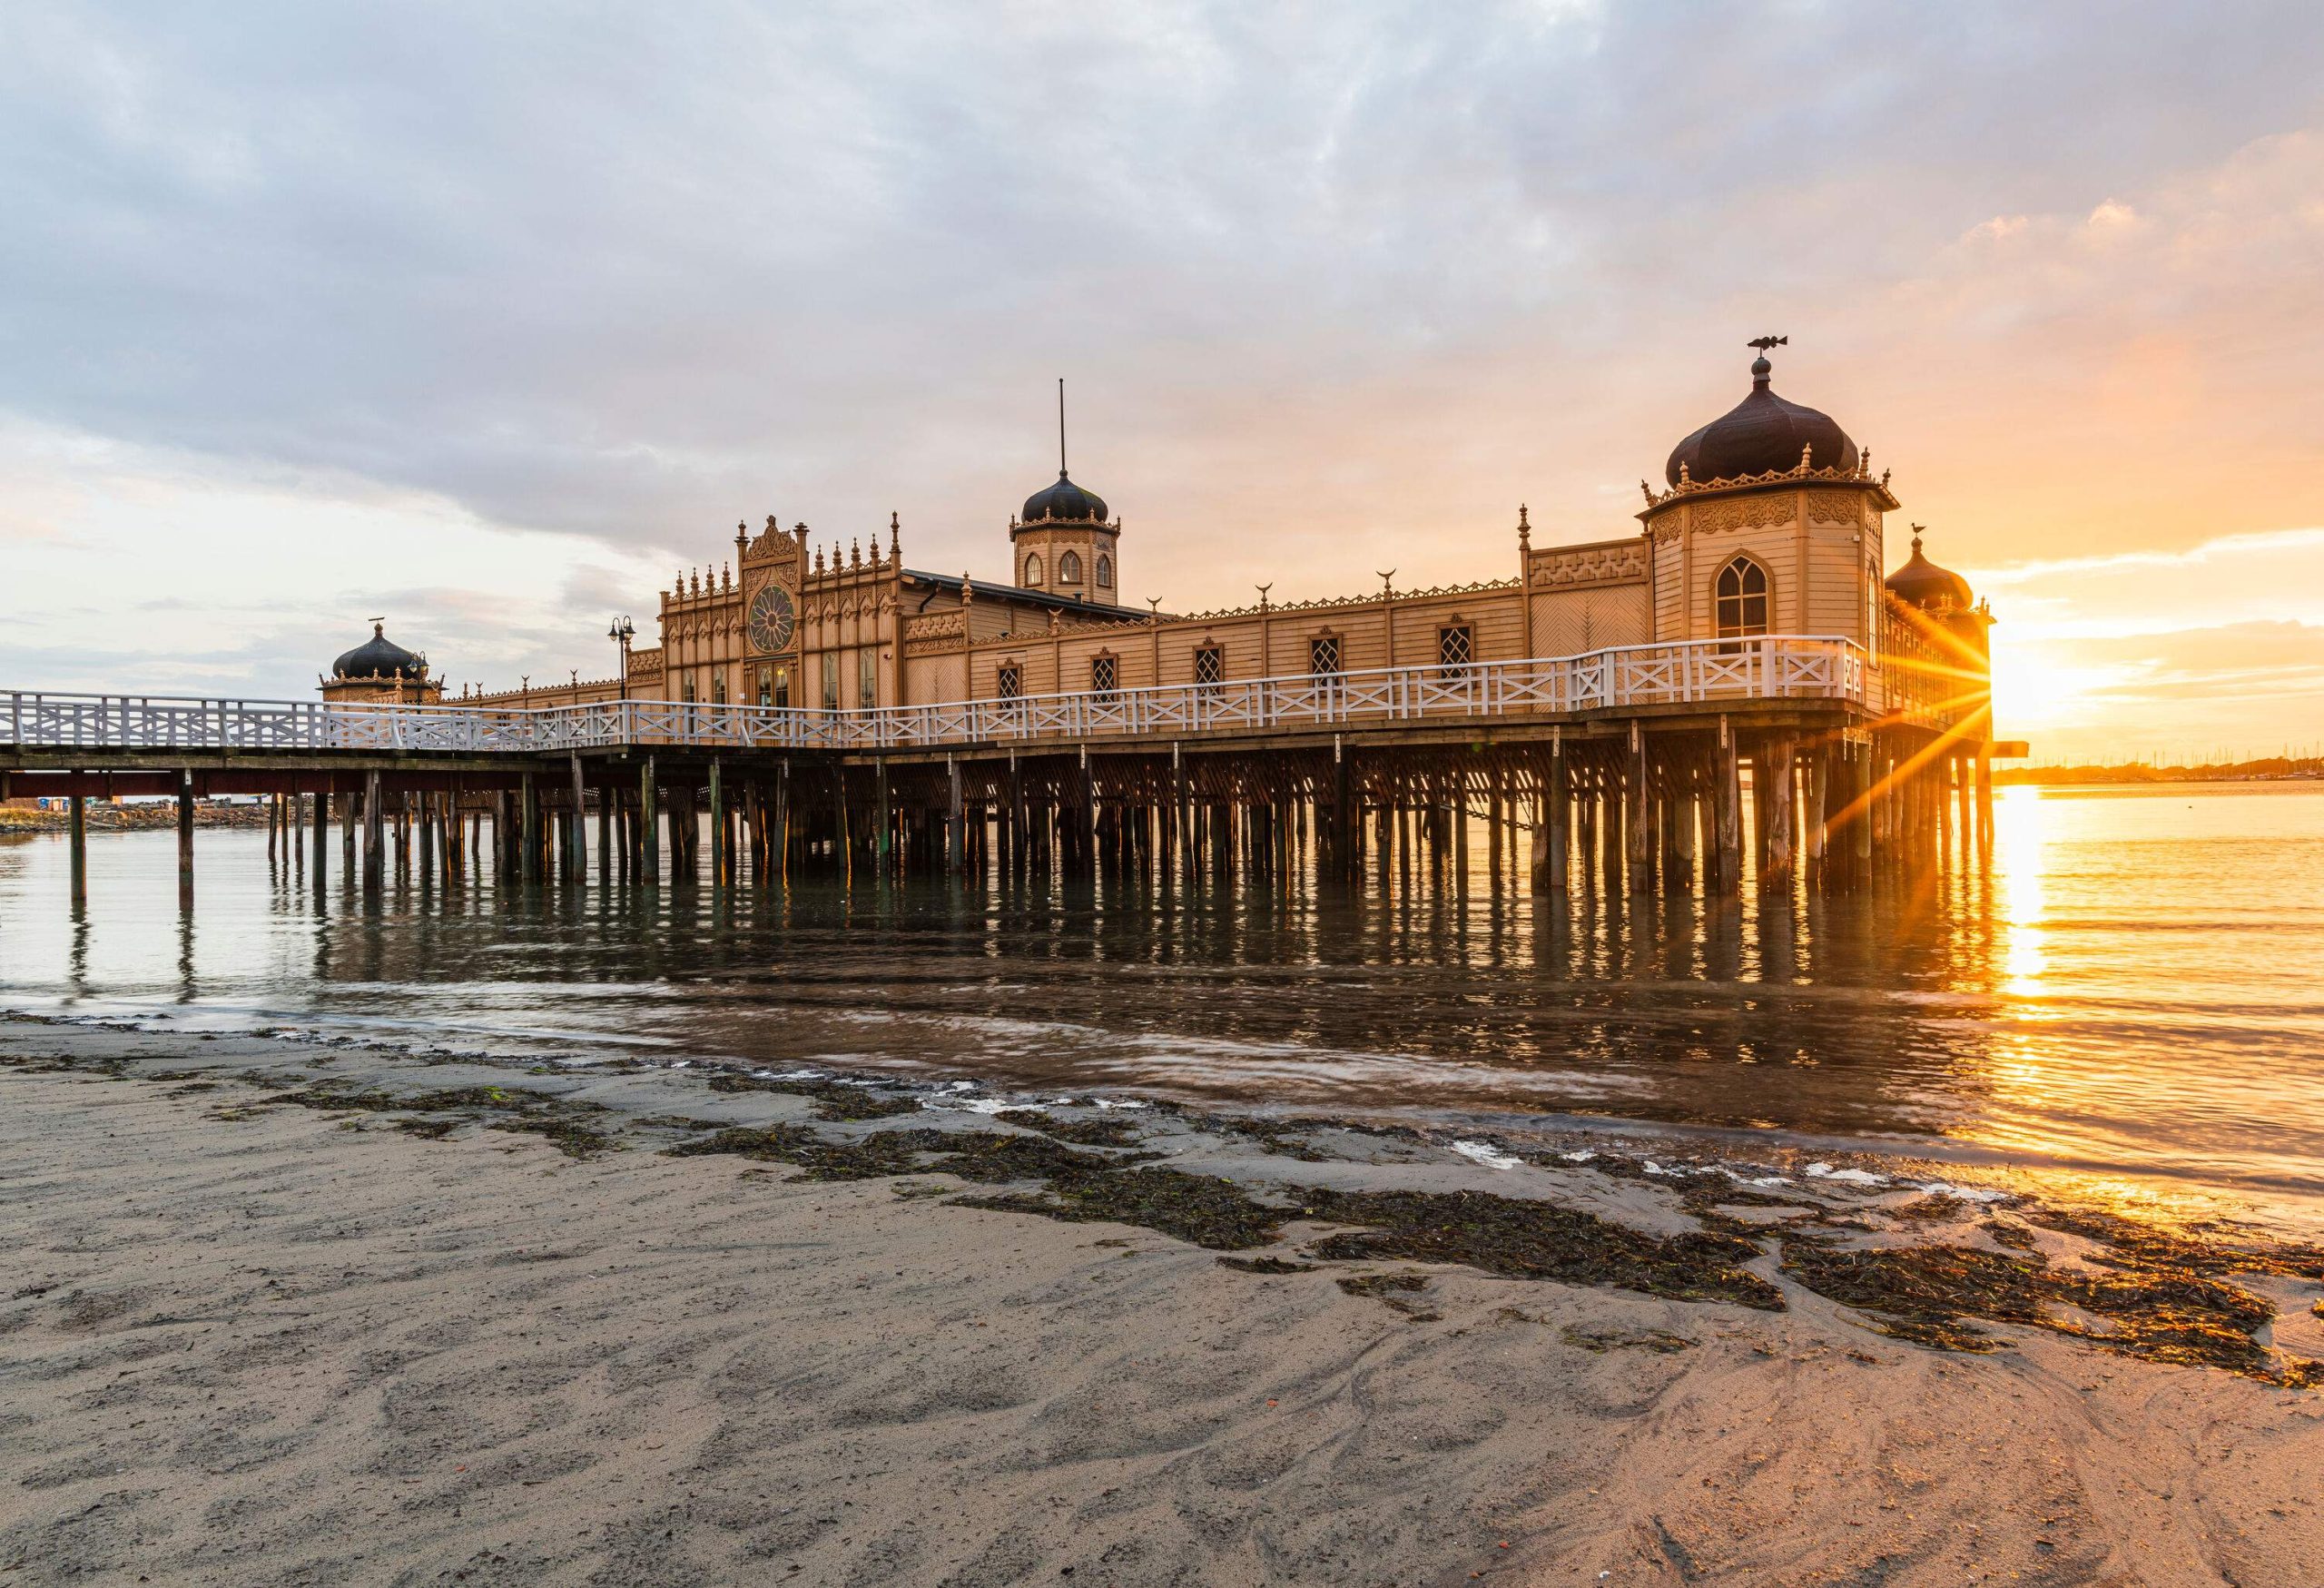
[{"x": 621, "y": 633}]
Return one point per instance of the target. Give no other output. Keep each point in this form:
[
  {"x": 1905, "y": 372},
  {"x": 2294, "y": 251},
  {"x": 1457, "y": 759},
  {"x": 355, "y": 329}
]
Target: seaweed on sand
[
  {"x": 823, "y": 1158},
  {"x": 1393, "y": 1289},
  {"x": 986, "y": 1157},
  {"x": 1266, "y": 1266},
  {"x": 1523, "y": 1240},
  {"x": 2138, "y": 1303},
  {"x": 833, "y": 1100},
  {"x": 569, "y": 1124},
  {"x": 1197, "y": 1208},
  {"x": 1102, "y": 1132}
]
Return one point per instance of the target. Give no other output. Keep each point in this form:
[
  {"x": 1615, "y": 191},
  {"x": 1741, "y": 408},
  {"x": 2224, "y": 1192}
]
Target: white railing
[{"x": 1692, "y": 672}]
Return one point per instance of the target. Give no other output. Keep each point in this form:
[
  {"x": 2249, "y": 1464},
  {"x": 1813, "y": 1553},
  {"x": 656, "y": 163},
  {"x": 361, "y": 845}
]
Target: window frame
[
  {"x": 1214, "y": 654},
  {"x": 1105, "y": 675},
  {"x": 1105, "y": 572},
  {"x": 1459, "y": 637},
  {"x": 1318, "y": 646},
  {"x": 1741, "y": 567},
  {"x": 1008, "y": 681},
  {"x": 1068, "y": 568},
  {"x": 1033, "y": 570}
]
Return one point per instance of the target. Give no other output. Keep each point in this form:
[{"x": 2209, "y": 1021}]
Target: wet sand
[{"x": 257, "y": 1342}]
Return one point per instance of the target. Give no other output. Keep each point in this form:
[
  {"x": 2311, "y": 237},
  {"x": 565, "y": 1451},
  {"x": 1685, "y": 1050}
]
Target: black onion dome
[
  {"x": 378, "y": 657},
  {"x": 1760, "y": 434},
  {"x": 1065, "y": 501},
  {"x": 1921, "y": 583}
]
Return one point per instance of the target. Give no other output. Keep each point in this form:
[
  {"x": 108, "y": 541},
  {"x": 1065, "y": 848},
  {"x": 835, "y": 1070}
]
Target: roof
[
  {"x": 1928, "y": 586},
  {"x": 379, "y": 658},
  {"x": 1017, "y": 595},
  {"x": 1762, "y": 434},
  {"x": 1063, "y": 502}
]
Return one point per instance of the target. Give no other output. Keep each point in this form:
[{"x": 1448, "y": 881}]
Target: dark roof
[
  {"x": 1921, "y": 583},
  {"x": 1760, "y": 434},
  {"x": 379, "y": 658},
  {"x": 1018, "y": 596},
  {"x": 1063, "y": 502}
]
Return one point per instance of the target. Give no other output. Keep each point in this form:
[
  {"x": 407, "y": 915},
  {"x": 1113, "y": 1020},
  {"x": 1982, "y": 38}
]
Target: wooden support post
[
  {"x": 1984, "y": 802},
  {"x": 1686, "y": 817},
  {"x": 375, "y": 857},
  {"x": 576, "y": 826},
  {"x": 529, "y": 820},
  {"x": 1640, "y": 843},
  {"x": 1493, "y": 809},
  {"x": 322, "y": 833},
  {"x": 719, "y": 856},
  {"x": 678, "y": 824},
  {"x": 649, "y": 836},
  {"x": 1860, "y": 799},
  {"x": 1552, "y": 836},
  {"x": 185, "y": 839},
  {"x": 78, "y": 840},
  {"x": 1727, "y": 797},
  {"x": 955, "y": 820},
  {"x": 1771, "y": 792},
  {"x": 884, "y": 844},
  {"x": 779, "y": 847},
  {"x": 1819, "y": 796}
]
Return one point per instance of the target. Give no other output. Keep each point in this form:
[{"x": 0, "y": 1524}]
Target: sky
[{"x": 488, "y": 319}]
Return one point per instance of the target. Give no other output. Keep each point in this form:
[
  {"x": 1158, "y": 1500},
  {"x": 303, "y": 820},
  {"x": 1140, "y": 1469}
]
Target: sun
[{"x": 2040, "y": 684}]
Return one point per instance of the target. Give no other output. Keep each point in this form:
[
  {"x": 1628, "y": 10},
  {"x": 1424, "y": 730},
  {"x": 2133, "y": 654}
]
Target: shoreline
[{"x": 994, "y": 1347}]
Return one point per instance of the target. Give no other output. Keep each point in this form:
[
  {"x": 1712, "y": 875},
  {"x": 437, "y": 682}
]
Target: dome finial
[
  {"x": 1760, "y": 368},
  {"x": 1918, "y": 528},
  {"x": 1060, "y": 427}
]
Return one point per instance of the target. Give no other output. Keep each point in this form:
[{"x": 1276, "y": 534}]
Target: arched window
[
  {"x": 1105, "y": 572},
  {"x": 1740, "y": 599},
  {"x": 1068, "y": 568},
  {"x": 1032, "y": 567}
]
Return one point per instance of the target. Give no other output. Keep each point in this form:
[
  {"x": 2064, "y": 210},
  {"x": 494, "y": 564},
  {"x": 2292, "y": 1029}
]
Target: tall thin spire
[{"x": 1060, "y": 427}]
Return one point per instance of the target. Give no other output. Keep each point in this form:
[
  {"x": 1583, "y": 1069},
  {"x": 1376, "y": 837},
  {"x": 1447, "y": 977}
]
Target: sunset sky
[{"x": 491, "y": 319}]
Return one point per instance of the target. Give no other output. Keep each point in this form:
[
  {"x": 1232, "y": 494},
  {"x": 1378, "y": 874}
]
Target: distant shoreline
[{"x": 2276, "y": 769}]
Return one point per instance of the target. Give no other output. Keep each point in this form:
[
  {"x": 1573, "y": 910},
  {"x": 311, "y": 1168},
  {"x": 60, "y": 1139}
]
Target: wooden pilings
[{"x": 1608, "y": 813}]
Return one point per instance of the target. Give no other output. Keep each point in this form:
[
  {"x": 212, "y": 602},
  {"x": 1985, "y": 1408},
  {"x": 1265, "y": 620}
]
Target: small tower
[
  {"x": 1062, "y": 544},
  {"x": 380, "y": 670}
]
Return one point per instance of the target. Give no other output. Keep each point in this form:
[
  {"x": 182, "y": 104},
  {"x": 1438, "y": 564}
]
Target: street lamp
[{"x": 621, "y": 633}]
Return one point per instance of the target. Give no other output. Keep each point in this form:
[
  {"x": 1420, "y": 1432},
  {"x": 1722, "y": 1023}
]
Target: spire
[
  {"x": 1060, "y": 427},
  {"x": 1760, "y": 368}
]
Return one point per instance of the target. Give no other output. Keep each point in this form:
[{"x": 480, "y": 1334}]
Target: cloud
[{"x": 1335, "y": 288}]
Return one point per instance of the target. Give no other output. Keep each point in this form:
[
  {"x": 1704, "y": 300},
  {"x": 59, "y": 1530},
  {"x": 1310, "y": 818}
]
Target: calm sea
[{"x": 2130, "y": 1001}]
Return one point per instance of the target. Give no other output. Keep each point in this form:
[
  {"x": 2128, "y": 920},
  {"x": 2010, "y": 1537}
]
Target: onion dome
[
  {"x": 1063, "y": 502},
  {"x": 1921, "y": 583},
  {"x": 1762, "y": 434},
  {"x": 379, "y": 658}
]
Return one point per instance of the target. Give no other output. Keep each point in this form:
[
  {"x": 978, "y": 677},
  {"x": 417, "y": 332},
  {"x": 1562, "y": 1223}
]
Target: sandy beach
[{"x": 250, "y": 1338}]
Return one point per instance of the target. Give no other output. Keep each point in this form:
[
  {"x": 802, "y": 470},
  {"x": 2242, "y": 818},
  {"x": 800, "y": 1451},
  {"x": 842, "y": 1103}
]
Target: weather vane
[{"x": 1764, "y": 342}]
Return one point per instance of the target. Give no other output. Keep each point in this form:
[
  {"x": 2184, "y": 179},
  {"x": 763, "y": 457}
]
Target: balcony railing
[{"x": 1692, "y": 672}]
